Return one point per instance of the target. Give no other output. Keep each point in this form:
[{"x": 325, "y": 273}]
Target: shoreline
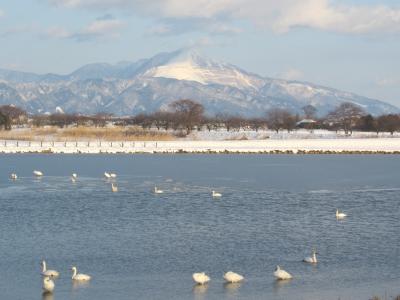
[{"x": 283, "y": 146}]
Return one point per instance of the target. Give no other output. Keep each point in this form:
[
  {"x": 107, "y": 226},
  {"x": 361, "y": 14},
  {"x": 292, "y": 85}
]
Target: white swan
[
  {"x": 200, "y": 278},
  {"x": 114, "y": 188},
  {"x": 312, "y": 259},
  {"x": 110, "y": 175},
  {"x": 37, "y": 173},
  {"x": 281, "y": 274},
  {"x": 74, "y": 177},
  {"x": 216, "y": 194},
  {"x": 233, "y": 277},
  {"x": 48, "y": 285},
  {"x": 340, "y": 215},
  {"x": 48, "y": 273},
  {"x": 13, "y": 176},
  {"x": 158, "y": 191},
  {"x": 78, "y": 276}
]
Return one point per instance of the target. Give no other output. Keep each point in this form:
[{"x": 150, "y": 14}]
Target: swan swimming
[
  {"x": 281, "y": 274},
  {"x": 200, "y": 278},
  {"x": 233, "y": 277},
  {"x": 78, "y": 276},
  {"x": 110, "y": 175},
  {"x": 158, "y": 191},
  {"x": 216, "y": 194},
  {"x": 37, "y": 173},
  {"x": 48, "y": 273},
  {"x": 48, "y": 285},
  {"x": 312, "y": 259},
  {"x": 340, "y": 215},
  {"x": 114, "y": 188},
  {"x": 74, "y": 177},
  {"x": 13, "y": 176}
]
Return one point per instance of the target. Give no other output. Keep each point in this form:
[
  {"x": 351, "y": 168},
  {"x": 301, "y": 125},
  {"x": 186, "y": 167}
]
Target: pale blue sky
[{"x": 349, "y": 45}]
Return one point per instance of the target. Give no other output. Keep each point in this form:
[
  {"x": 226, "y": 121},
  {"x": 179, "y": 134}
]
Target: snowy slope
[{"x": 190, "y": 66}]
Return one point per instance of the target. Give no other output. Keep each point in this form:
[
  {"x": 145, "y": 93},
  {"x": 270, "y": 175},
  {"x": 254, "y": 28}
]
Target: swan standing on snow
[
  {"x": 48, "y": 285},
  {"x": 37, "y": 173},
  {"x": 216, "y": 194},
  {"x": 200, "y": 278},
  {"x": 13, "y": 176},
  {"x": 79, "y": 277},
  {"x": 312, "y": 259},
  {"x": 48, "y": 273},
  {"x": 158, "y": 191},
  {"x": 233, "y": 277},
  {"x": 114, "y": 188},
  {"x": 340, "y": 215},
  {"x": 281, "y": 274}
]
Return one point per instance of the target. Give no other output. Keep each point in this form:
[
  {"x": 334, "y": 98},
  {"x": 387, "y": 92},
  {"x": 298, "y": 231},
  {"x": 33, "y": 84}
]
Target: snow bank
[{"x": 382, "y": 145}]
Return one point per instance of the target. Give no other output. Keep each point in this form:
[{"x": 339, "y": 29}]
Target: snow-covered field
[
  {"x": 354, "y": 145},
  {"x": 223, "y": 134}
]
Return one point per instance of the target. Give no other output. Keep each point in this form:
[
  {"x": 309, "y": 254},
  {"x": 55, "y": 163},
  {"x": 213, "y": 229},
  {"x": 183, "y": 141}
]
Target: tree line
[{"x": 186, "y": 115}]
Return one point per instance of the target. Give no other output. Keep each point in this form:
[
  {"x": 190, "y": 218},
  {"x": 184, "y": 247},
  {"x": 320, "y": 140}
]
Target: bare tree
[
  {"x": 388, "y": 123},
  {"x": 367, "y": 123},
  {"x": 280, "y": 118},
  {"x": 234, "y": 122},
  {"x": 211, "y": 123},
  {"x": 5, "y": 121},
  {"x": 100, "y": 119},
  {"x": 346, "y": 116},
  {"x": 188, "y": 113},
  {"x": 143, "y": 120},
  {"x": 257, "y": 123},
  {"x": 163, "y": 119},
  {"x": 15, "y": 114}
]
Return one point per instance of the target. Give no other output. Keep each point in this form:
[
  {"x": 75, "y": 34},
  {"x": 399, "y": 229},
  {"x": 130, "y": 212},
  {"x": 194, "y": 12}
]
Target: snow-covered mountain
[{"x": 151, "y": 84}]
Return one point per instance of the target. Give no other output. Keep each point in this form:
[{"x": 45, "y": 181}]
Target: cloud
[
  {"x": 58, "y": 33},
  {"x": 388, "y": 82},
  {"x": 292, "y": 74},
  {"x": 2, "y": 13},
  {"x": 280, "y": 16},
  {"x": 104, "y": 27},
  {"x": 173, "y": 27},
  {"x": 18, "y": 29}
]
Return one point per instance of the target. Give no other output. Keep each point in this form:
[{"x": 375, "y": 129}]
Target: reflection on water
[
  {"x": 76, "y": 284},
  {"x": 279, "y": 284},
  {"x": 200, "y": 291},
  {"x": 47, "y": 296},
  {"x": 232, "y": 288}
]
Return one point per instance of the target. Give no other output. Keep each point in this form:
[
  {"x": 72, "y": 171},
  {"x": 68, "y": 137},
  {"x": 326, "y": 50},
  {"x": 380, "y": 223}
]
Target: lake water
[{"x": 138, "y": 245}]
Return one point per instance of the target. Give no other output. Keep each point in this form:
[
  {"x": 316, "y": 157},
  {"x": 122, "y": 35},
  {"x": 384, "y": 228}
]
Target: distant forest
[{"x": 186, "y": 115}]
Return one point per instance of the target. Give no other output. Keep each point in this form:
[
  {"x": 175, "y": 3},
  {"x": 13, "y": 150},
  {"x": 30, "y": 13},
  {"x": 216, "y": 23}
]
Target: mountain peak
[{"x": 189, "y": 65}]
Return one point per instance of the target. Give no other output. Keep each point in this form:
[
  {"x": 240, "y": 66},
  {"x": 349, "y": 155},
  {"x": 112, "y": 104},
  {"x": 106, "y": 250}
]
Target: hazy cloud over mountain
[{"x": 103, "y": 27}]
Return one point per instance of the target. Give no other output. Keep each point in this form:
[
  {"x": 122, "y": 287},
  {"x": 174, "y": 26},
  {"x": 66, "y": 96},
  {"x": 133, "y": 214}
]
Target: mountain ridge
[{"x": 147, "y": 85}]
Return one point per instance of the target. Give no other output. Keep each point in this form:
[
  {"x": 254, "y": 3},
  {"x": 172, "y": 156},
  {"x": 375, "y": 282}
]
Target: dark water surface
[{"x": 138, "y": 245}]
